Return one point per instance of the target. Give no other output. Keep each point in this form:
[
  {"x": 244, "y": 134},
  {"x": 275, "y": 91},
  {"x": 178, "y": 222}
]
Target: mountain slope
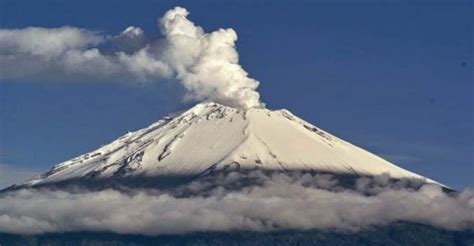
[{"x": 211, "y": 136}]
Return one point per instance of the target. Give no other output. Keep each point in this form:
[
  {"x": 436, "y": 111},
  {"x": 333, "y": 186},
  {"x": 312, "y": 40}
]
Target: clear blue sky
[{"x": 395, "y": 77}]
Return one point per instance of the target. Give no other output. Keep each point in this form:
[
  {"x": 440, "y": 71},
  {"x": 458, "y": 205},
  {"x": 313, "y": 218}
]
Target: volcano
[
  {"x": 218, "y": 174},
  {"x": 212, "y": 137}
]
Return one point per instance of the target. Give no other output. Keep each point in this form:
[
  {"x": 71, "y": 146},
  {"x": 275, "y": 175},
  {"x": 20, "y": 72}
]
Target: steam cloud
[
  {"x": 280, "y": 201},
  {"x": 206, "y": 64}
]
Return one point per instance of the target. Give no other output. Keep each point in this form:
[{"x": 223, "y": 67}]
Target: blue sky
[{"x": 395, "y": 77}]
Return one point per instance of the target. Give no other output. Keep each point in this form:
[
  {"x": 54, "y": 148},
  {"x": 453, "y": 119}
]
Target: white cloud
[
  {"x": 44, "y": 42},
  {"x": 206, "y": 64},
  {"x": 279, "y": 202}
]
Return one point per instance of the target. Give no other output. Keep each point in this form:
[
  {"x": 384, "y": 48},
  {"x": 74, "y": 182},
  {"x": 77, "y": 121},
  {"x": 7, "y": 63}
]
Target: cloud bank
[
  {"x": 280, "y": 201},
  {"x": 205, "y": 64}
]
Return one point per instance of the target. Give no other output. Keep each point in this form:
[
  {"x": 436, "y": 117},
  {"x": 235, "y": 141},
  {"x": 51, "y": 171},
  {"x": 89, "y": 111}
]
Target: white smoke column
[{"x": 205, "y": 64}]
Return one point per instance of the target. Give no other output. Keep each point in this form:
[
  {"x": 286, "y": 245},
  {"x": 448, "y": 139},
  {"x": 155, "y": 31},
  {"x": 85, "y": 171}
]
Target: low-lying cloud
[
  {"x": 278, "y": 201},
  {"x": 205, "y": 64}
]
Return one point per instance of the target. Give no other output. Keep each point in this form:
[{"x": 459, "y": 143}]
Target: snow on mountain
[{"x": 211, "y": 136}]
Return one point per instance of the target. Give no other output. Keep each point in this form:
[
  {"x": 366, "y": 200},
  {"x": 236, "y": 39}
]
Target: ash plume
[{"x": 205, "y": 64}]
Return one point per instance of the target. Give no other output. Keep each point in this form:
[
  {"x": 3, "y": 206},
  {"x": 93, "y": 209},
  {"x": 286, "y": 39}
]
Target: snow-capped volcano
[{"x": 211, "y": 136}]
